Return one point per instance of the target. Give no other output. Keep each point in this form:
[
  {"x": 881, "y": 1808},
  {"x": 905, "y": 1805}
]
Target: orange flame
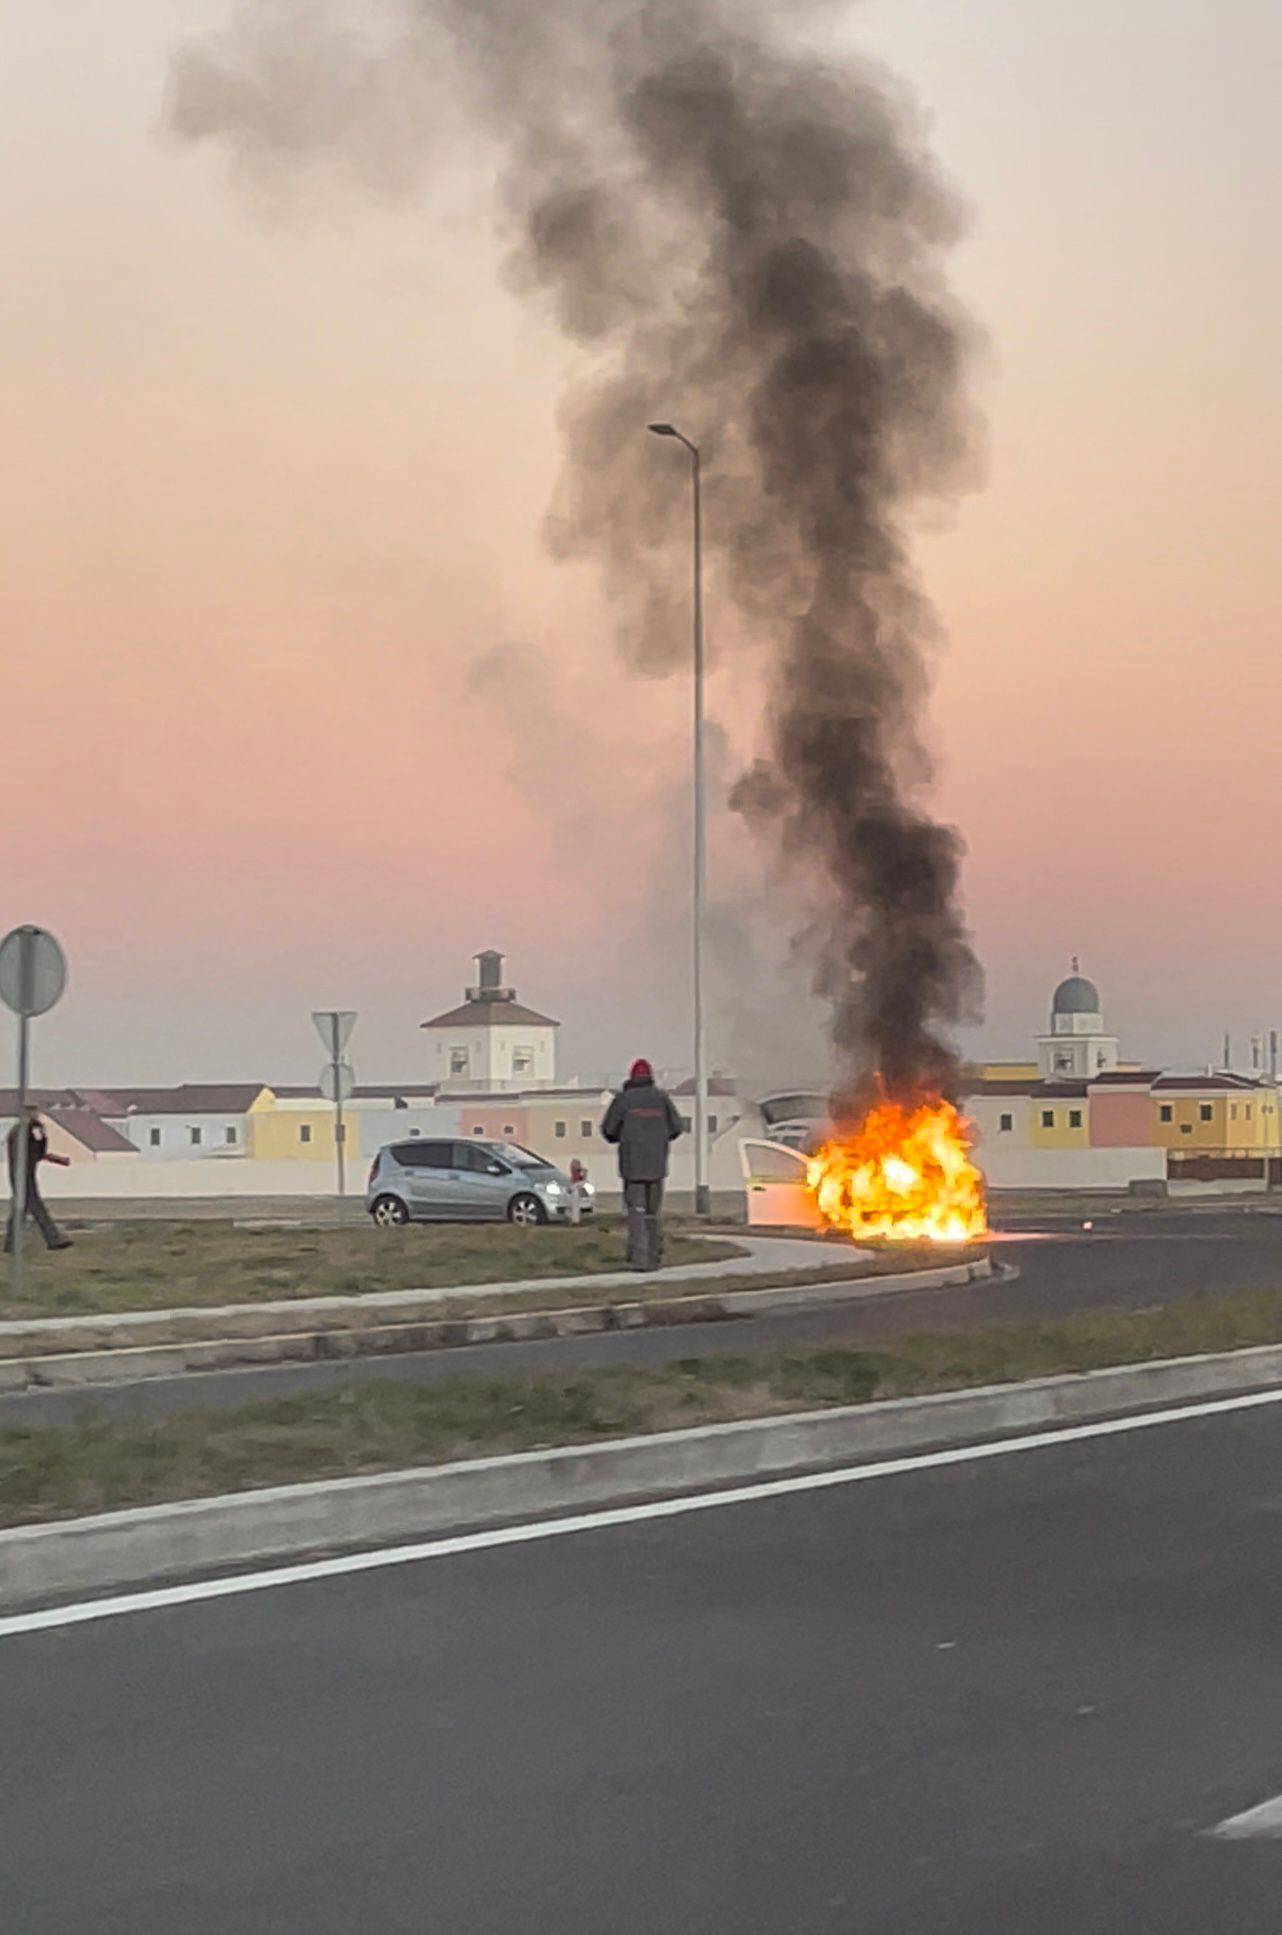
[{"x": 903, "y": 1173}]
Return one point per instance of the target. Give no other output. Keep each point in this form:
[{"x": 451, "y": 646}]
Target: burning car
[{"x": 901, "y": 1173}]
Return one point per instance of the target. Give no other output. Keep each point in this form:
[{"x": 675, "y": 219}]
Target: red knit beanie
[{"x": 641, "y": 1070}]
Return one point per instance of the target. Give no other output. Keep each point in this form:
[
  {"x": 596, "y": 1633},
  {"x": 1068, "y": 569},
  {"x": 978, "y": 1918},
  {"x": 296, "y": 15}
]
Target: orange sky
[{"x": 273, "y": 485}]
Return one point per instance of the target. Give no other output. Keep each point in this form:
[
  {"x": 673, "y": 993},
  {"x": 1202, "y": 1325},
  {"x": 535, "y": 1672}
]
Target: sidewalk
[{"x": 760, "y": 1256}]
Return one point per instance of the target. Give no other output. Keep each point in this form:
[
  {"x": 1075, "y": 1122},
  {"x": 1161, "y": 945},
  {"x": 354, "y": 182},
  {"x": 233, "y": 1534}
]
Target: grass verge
[
  {"x": 381, "y": 1425},
  {"x": 155, "y": 1266}
]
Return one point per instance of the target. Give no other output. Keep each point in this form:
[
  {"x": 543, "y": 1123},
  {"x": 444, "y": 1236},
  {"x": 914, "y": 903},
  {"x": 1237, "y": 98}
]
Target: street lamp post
[{"x": 702, "y": 1197}]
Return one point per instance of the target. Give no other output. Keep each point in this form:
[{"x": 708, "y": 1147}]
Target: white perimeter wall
[
  {"x": 1015, "y": 1168},
  {"x": 123, "y": 1177}
]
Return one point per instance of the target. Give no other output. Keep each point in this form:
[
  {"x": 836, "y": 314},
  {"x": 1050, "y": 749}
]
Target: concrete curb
[
  {"x": 755, "y": 1255},
  {"x": 130, "y": 1363},
  {"x": 122, "y": 1549}
]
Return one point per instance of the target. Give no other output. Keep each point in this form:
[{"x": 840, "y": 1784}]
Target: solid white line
[
  {"x": 1262, "y": 1823},
  {"x": 554, "y": 1528}
]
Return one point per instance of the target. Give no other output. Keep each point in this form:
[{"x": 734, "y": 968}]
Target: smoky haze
[{"x": 746, "y": 239}]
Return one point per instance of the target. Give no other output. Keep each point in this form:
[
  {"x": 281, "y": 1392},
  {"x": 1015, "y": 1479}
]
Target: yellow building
[
  {"x": 296, "y": 1130},
  {"x": 1227, "y": 1114},
  {"x": 1059, "y": 1117}
]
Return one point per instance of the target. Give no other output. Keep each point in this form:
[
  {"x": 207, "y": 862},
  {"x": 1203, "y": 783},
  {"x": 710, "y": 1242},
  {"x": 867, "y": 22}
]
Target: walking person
[
  {"x": 37, "y": 1152},
  {"x": 643, "y": 1122}
]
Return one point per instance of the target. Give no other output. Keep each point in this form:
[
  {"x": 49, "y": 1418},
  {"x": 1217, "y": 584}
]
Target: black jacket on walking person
[
  {"x": 642, "y": 1120},
  {"x": 37, "y": 1152}
]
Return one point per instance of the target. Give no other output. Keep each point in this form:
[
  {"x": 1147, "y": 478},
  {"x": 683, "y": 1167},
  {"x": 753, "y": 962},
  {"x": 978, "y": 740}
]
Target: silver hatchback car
[{"x": 455, "y": 1181}]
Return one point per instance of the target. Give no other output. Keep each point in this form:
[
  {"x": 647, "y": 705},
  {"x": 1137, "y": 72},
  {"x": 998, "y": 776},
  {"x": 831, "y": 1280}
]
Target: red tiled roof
[
  {"x": 1032, "y": 1089},
  {"x": 363, "y": 1091},
  {"x": 187, "y": 1098},
  {"x": 1220, "y": 1083},
  {"x": 92, "y": 1132},
  {"x": 491, "y": 1014}
]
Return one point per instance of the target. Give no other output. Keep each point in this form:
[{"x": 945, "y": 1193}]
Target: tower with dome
[{"x": 1077, "y": 1048}]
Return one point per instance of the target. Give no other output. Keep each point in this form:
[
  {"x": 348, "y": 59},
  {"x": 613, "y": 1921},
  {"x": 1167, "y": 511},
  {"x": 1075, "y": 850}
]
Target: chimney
[{"x": 489, "y": 978}]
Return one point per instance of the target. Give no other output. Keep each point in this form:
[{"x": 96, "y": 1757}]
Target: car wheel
[
  {"x": 526, "y": 1210},
  {"x": 389, "y": 1212}
]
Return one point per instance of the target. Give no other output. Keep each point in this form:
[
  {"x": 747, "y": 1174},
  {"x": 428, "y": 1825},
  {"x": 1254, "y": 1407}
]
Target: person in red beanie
[{"x": 642, "y": 1121}]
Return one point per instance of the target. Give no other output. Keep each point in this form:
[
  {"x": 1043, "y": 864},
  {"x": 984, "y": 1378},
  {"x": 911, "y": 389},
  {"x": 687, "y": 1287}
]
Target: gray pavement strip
[
  {"x": 43, "y": 1562},
  {"x": 127, "y": 1362},
  {"x": 757, "y": 1256}
]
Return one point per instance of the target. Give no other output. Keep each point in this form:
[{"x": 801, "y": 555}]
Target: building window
[
  {"x": 523, "y": 1061},
  {"x": 1006, "y": 1123},
  {"x": 304, "y": 1132},
  {"x": 1048, "y": 1118},
  {"x": 509, "y": 1129},
  {"x": 1206, "y": 1113},
  {"x": 1233, "y": 1111},
  {"x": 460, "y": 1061},
  {"x": 558, "y": 1130},
  {"x": 154, "y": 1138},
  {"x": 229, "y": 1135},
  {"x": 478, "y": 1130},
  {"x": 1248, "y": 1111},
  {"x": 1074, "y": 1118},
  {"x": 685, "y": 1125},
  {"x": 1166, "y": 1112},
  {"x": 196, "y": 1137},
  {"x": 1186, "y": 1128},
  {"x": 585, "y": 1129}
]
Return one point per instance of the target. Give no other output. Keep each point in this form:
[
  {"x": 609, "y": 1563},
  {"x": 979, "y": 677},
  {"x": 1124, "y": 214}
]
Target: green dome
[{"x": 1076, "y": 996}]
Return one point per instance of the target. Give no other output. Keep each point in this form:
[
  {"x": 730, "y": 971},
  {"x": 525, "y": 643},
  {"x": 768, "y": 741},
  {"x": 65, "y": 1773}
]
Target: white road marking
[
  {"x": 1262, "y": 1823},
  {"x": 235, "y": 1584}
]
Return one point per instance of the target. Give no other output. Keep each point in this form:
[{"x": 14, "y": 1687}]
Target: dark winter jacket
[
  {"x": 643, "y": 1121},
  {"x": 37, "y": 1150}
]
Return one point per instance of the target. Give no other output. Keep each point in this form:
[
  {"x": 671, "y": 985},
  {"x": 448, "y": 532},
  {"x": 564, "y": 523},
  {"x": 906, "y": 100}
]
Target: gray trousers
[
  {"x": 38, "y": 1210},
  {"x": 643, "y": 1201}
]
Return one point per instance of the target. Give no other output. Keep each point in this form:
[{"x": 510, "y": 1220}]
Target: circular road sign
[
  {"x": 336, "y": 1090},
  {"x": 33, "y": 971}
]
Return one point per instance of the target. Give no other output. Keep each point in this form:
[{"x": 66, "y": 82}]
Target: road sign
[
  {"x": 334, "y": 1026},
  {"x": 33, "y": 974},
  {"x": 336, "y": 1079},
  {"x": 33, "y": 971}
]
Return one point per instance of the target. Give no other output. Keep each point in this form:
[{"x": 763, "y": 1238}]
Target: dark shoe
[{"x": 63, "y": 1243}]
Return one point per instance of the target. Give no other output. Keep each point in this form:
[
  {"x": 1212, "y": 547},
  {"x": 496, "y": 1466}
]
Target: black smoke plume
[{"x": 746, "y": 238}]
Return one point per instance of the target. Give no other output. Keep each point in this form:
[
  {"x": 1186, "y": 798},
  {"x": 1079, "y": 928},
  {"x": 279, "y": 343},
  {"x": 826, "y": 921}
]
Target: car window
[
  {"x": 511, "y": 1152},
  {"x": 473, "y": 1155},
  {"x": 425, "y": 1155}
]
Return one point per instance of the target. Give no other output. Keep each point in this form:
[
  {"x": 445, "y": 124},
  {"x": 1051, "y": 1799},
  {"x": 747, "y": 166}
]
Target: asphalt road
[
  {"x": 1000, "y": 1698},
  {"x": 1126, "y": 1261}
]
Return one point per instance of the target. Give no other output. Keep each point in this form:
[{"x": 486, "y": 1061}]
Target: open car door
[{"x": 774, "y": 1177}]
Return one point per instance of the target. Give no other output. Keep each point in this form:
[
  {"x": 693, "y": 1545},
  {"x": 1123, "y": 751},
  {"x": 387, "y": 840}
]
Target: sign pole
[
  {"x": 19, "y": 1209},
  {"x": 33, "y": 975},
  {"x": 334, "y": 1026},
  {"x": 339, "y": 1129}
]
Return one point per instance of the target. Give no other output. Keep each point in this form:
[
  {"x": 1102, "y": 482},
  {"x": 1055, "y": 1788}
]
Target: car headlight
[{"x": 552, "y": 1189}]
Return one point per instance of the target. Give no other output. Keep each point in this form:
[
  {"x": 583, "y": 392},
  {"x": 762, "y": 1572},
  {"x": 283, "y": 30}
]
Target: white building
[
  {"x": 1077, "y": 1048},
  {"x": 189, "y": 1122},
  {"x": 492, "y": 1041}
]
